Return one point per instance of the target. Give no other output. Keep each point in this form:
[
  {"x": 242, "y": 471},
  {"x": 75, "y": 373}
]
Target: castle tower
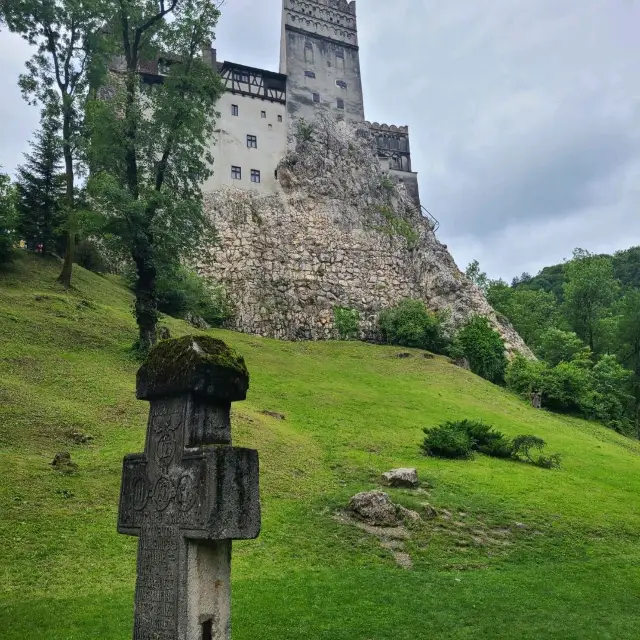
[{"x": 319, "y": 54}]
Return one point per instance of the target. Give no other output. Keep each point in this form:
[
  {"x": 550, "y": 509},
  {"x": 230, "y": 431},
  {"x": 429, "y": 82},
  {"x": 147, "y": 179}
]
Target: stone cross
[{"x": 190, "y": 493}]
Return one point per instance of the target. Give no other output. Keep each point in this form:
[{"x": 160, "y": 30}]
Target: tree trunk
[
  {"x": 146, "y": 302},
  {"x": 65, "y": 276}
]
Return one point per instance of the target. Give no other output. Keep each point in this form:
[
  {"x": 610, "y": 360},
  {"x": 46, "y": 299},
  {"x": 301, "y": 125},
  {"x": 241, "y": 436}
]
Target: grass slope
[{"x": 569, "y": 569}]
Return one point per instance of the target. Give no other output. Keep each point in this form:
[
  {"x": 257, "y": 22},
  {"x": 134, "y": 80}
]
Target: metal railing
[{"x": 435, "y": 224}]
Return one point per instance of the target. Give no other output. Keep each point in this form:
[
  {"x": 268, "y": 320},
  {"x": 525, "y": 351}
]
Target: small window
[
  {"x": 316, "y": 97},
  {"x": 255, "y": 176},
  {"x": 341, "y": 83},
  {"x": 234, "y": 110},
  {"x": 340, "y": 53},
  {"x": 252, "y": 142},
  {"x": 263, "y": 114},
  {"x": 279, "y": 118},
  {"x": 236, "y": 173},
  {"x": 270, "y": 126},
  {"x": 340, "y": 103},
  {"x": 308, "y": 45},
  {"x": 241, "y": 76},
  {"x": 310, "y": 74}
]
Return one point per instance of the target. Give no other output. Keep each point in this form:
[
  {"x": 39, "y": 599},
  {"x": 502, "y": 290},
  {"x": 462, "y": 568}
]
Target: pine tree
[{"x": 40, "y": 190}]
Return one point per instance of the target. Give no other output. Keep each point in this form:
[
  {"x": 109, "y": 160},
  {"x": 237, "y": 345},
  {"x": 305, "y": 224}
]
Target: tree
[
  {"x": 558, "y": 346},
  {"x": 7, "y": 217},
  {"x": 628, "y": 339},
  {"x": 479, "y": 278},
  {"x": 40, "y": 189},
  {"x": 149, "y": 142},
  {"x": 65, "y": 34},
  {"x": 589, "y": 291},
  {"x": 530, "y": 311}
]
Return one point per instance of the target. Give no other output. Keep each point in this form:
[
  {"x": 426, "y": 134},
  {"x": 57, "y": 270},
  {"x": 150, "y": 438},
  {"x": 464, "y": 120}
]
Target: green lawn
[{"x": 526, "y": 553}]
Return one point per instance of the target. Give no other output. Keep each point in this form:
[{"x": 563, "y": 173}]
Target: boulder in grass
[{"x": 406, "y": 478}]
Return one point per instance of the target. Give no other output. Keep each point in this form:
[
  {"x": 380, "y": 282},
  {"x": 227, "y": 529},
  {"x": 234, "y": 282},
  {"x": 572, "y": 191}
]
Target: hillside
[{"x": 524, "y": 553}]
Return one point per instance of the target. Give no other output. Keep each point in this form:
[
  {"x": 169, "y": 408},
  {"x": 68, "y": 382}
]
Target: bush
[
  {"x": 448, "y": 440},
  {"x": 89, "y": 256},
  {"x": 524, "y": 445},
  {"x": 347, "y": 322},
  {"x": 484, "y": 349},
  {"x": 459, "y": 439},
  {"x": 411, "y": 324},
  {"x": 558, "y": 346},
  {"x": 180, "y": 291}
]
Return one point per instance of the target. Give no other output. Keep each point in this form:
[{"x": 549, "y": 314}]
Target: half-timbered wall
[
  {"x": 254, "y": 105},
  {"x": 320, "y": 56}
]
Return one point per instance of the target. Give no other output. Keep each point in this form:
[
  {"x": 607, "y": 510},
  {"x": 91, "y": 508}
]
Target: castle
[{"x": 319, "y": 71}]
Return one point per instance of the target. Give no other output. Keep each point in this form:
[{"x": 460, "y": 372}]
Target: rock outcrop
[{"x": 341, "y": 233}]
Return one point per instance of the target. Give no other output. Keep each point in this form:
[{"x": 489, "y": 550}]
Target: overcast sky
[{"x": 524, "y": 115}]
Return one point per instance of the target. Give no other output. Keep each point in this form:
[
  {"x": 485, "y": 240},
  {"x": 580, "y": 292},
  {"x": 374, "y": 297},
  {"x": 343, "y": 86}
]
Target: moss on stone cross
[{"x": 200, "y": 364}]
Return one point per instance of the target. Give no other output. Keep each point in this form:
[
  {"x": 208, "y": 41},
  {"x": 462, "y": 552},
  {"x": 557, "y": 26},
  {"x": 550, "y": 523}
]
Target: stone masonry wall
[{"x": 340, "y": 233}]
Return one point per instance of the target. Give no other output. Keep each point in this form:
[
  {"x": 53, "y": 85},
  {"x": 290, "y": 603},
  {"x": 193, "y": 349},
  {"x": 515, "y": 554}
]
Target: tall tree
[
  {"x": 589, "y": 291},
  {"x": 149, "y": 142},
  {"x": 64, "y": 34},
  {"x": 7, "y": 217},
  {"x": 41, "y": 189},
  {"x": 629, "y": 345}
]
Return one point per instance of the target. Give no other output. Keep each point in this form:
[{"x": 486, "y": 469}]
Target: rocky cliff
[{"x": 341, "y": 232}]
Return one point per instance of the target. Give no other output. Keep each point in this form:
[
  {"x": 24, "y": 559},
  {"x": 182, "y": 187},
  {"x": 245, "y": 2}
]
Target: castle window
[
  {"x": 340, "y": 53},
  {"x": 340, "y": 103},
  {"x": 270, "y": 126},
  {"x": 236, "y": 173},
  {"x": 341, "y": 83},
  {"x": 263, "y": 114},
  {"x": 255, "y": 176},
  {"x": 241, "y": 76},
  {"x": 316, "y": 97},
  {"x": 234, "y": 110},
  {"x": 310, "y": 74},
  {"x": 252, "y": 142},
  {"x": 279, "y": 118}
]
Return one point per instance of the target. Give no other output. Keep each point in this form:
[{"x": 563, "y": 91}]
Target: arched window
[
  {"x": 308, "y": 52},
  {"x": 403, "y": 144}
]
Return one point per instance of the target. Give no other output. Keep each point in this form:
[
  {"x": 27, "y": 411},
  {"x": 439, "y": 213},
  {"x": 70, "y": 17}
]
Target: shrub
[
  {"x": 411, "y": 324},
  {"x": 89, "y": 256},
  {"x": 525, "y": 445},
  {"x": 180, "y": 291},
  {"x": 448, "y": 440},
  {"x": 484, "y": 349},
  {"x": 558, "y": 346},
  {"x": 525, "y": 376},
  {"x": 459, "y": 439},
  {"x": 347, "y": 322}
]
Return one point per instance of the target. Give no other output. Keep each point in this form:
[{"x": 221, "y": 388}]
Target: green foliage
[
  {"x": 556, "y": 346},
  {"x": 149, "y": 150},
  {"x": 7, "y": 218},
  {"x": 525, "y": 376},
  {"x": 346, "y": 322},
  {"x": 530, "y": 312},
  {"x": 89, "y": 255},
  {"x": 589, "y": 291},
  {"x": 527, "y": 445},
  {"x": 484, "y": 349},
  {"x": 478, "y": 277},
  {"x": 397, "y": 226},
  {"x": 40, "y": 189},
  {"x": 305, "y": 130},
  {"x": 448, "y": 440},
  {"x": 181, "y": 291},
  {"x": 486, "y": 439},
  {"x": 411, "y": 324}
]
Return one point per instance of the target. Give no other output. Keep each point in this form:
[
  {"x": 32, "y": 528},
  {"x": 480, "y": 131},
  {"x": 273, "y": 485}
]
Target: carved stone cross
[{"x": 190, "y": 493}]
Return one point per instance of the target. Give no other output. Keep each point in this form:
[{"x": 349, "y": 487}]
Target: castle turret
[{"x": 320, "y": 56}]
